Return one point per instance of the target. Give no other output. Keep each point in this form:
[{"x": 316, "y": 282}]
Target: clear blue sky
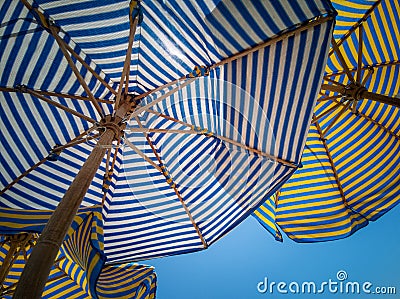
[{"x": 232, "y": 267}]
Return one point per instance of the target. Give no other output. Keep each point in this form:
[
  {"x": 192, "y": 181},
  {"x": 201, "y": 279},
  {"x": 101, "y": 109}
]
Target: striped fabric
[
  {"x": 127, "y": 281},
  {"x": 79, "y": 271},
  {"x": 266, "y": 215},
  {"x": 219, "y": 182},
  {"x": 380, "y": 36},
  {"x": 248, "y": 118},
  {"x": 352, "y": 175}
]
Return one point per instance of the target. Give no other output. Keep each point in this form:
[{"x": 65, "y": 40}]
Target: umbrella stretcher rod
[
  {"x": 54, "y": 30},
  {"x": 355, "y": 89},
  {"x": 77, "y": 140},
  {"x": 75, "y": 70},
  {"x": 127, "y": 63},
  {"x": 17, "y": 244},
  {"x": 172, "y": 184},
  {"x": 37, "y": 269}
]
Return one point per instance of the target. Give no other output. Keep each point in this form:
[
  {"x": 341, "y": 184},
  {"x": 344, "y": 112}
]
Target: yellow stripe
[
  {"x": 373, "y": 140},
  {"x": 375, "y": 211},
  {"x": 325, "y": 234},
  {"x": 322, "y": 227},
  {"x": 372, "y": 202},
  {"x": 311, "y": 205},
  {"x": 352, "y": 4},
  {"x": 387, "y": 31},
  {"x": 358, "y": 172},
  {"x": 265, "y": 220},
  {"x": 267, "y": 211},
  {"x": 370, "y": 37},
  {"x": 317, "y": 218},
  {"x": 301, "y": 184}
]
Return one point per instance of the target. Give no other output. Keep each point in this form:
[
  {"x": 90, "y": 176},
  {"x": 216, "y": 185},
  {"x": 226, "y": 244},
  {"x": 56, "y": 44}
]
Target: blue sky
[{"x": 232, "y": 267}]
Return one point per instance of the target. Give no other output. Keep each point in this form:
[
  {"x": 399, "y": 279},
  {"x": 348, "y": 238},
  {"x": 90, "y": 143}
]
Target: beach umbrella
[
  {"x": 350, "y": 173},
  {"x": 79, "y": 270},
  {"x": 165, "y": 113}
]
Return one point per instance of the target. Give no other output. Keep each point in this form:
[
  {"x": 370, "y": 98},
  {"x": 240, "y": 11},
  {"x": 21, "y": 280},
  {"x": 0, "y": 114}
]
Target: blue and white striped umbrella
[{"x": 220, "y": 97}]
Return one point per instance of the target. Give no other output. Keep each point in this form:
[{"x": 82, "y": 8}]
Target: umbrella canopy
[
  {"x": 165, "y": 113},
  {"x": 79, "y": 270},
  {"x": 350, "y": 172}
]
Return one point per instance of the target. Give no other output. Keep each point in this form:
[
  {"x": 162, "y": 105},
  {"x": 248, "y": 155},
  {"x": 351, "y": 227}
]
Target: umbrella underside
[
  {"x": 350, "y": 173},
  {"x": 79, "y": 270},
  {"x": 190, "y": 157}
]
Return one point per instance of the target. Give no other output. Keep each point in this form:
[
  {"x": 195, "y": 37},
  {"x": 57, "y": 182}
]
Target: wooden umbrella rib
[
  {"x": 379, "y": 125},
  {"x": 369, "y": 74},
  {"x": 106, "y": 173},
  {"x": 323, "y": 99},
  {"x": 143, "y": 155},
  {"x": 334, "y": 88},
  {"x": 58, "y": 105},
  {"x": 24, "y": 174},
  {"x": 127, "y": 63},
  {"x": 149, "y": 141},
  {"x": 205, "y": 245},
  {"x": 8, "y": 89},
  {"x": 342, "y": 61},
  {"x": 161, "y": 98},
  {"x": 70, "y": 96},
  {"x": 193, "y": 132},
  {"x": 331, "y": 162},
  {"x": 358, "y": 113},
  {"x": 178, "y": 194},
  {"x": 75, "y": 142},
  {"x": 326, "y": 112},
  {"x": 258, "y": 152},
  {"x": 115, "y": 155},
  {"x": 262, "y": 45},
  {"x": 335, "y": 82},
  {"x": 170, "y": 131},
  {"x": 169, "y": 118},
  {"x": 365, "y": 67},
  {"x": 344, "y": 108},
  {"x": 354, "y": 108},
  {"x": 274, "y": 40},
  {"x": 356, "y": 25},
  {"x": 56, "y": 94},
  {"x": 111, "y": 167},
  {"x": 359, "y": 53},
  {"x": 277, "y": 195},
  {"x": 79, "y": 77},
  {"x": 89, "y": 68}
]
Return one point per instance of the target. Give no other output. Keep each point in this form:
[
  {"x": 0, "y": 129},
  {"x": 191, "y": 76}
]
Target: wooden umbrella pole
[
  {"x": 380, "y": 98},
  {"x": 362, "y": 93},
  {"x": 37, "y": 269}
]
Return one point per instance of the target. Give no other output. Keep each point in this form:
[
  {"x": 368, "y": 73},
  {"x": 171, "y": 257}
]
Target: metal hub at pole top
[
  {"x": 353, "y": 91},
  {"x": 117, "y": 122}
]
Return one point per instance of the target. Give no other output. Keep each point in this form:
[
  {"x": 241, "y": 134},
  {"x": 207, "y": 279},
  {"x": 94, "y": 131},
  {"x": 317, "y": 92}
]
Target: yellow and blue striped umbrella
[
  {"x": 176, "y": 117},
  {"x": 351, "y": 172},
  {"x": 79, "y": 270}
]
